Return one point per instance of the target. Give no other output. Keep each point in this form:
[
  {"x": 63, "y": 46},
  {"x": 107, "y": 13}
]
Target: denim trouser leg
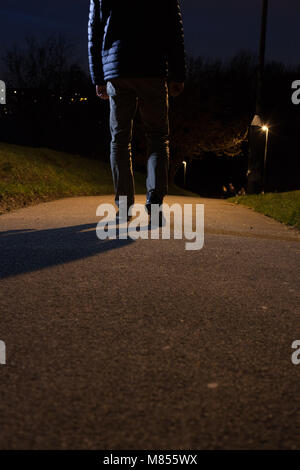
[
  {"x": 154, "y": 109},
  {"x": 123, "y": 105},
  {"x": 152, "y": 96}
]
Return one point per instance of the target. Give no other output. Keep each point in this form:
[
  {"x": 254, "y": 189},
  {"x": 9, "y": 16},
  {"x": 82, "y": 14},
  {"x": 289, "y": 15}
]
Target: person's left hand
[{"x": 101, "y": 92}]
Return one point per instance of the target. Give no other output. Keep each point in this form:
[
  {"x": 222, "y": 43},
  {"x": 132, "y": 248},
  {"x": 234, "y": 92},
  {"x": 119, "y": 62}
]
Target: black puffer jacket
[{"x": 136, "y": 38}]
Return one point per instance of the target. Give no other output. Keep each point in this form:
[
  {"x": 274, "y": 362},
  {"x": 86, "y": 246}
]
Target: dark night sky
[{"x": 213, "y": 28}]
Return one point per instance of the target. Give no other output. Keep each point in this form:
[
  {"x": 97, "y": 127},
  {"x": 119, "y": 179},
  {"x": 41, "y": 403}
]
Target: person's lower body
[{"x": 151, "y": 96}]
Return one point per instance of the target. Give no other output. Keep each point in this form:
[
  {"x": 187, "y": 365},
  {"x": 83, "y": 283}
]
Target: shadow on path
[{"x": 28, "y": 250}]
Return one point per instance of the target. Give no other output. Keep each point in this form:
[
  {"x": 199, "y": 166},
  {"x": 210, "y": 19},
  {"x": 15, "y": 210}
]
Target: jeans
[{"x": 150, "y": 95}]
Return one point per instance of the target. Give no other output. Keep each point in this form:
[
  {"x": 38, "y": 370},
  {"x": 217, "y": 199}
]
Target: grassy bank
[
  {"x": 284, "y": 207},
  {"x": 31, "y": 175}
]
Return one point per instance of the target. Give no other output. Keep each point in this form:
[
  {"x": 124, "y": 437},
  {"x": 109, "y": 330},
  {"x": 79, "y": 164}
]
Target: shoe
[{"x": 153, "y": 198}]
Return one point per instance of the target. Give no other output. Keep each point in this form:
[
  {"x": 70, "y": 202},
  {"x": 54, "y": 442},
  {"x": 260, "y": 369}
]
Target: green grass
[
  {"x": 284, "y": 207},
  {"x": 31, "y": 175}
]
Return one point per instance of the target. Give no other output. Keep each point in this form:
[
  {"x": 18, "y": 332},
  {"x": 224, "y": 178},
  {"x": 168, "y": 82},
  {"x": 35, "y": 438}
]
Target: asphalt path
[{"x": 140, "y": 344}]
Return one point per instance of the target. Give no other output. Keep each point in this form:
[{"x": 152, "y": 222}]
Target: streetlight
[
  {"x": 184, "y": 173},
  {"x": 266, "y": 130},
  {"x": 262, "y": 54},
  {"x": 255, "y": 162}
]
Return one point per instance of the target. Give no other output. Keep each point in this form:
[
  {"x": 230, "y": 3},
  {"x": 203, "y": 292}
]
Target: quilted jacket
[{"x": 136, "y": 38}]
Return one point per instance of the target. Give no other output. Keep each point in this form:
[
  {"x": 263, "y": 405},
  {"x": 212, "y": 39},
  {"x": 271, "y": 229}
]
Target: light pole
[
  {"x": 262, "y": 54},
  {"x": 184, "y": 174},
  {"x": 256, "y": 144},
  {"x": 266, "y": 130}
]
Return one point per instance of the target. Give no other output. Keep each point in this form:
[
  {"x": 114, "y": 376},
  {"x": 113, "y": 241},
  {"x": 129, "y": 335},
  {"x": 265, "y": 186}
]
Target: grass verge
[
  {"x": 31, "y": 175},
  {"x": 284, "y": 207}
]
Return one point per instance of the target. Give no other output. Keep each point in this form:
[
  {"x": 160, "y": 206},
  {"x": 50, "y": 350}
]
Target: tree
[
  {"x": 212, "y": 116},
  {"x": 45, "y": 77},
  {"x": 45, "y": 65}
]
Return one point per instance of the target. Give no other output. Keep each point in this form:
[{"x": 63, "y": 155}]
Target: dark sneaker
[{"x": 153, "y": 198}]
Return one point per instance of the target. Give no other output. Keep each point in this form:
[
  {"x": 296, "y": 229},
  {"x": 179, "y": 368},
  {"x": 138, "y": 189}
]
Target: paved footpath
[{"x": 125, "y": 344}]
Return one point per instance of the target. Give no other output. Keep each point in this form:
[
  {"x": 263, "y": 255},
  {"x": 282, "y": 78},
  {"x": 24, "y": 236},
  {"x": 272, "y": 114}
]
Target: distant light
[
  {"x": 15, "y": 91},
  {"x": 184, "y": 163},
  {"x": 265, "y": 128},
  {"x": 83, "y": 99},
  {"x": 60, "y": 97}
]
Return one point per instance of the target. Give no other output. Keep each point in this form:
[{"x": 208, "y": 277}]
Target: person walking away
[{"x": 136, "y": 60}]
